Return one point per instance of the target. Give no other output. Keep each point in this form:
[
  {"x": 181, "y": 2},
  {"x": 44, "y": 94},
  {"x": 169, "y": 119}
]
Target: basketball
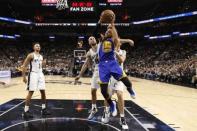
[{"x": 107, "y": 16}]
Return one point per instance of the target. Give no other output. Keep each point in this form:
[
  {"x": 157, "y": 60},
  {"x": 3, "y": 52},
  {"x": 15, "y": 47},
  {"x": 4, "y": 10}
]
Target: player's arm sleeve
[
  {"x": 85, "y": 64},
  {"x": 26, "y": 63}
]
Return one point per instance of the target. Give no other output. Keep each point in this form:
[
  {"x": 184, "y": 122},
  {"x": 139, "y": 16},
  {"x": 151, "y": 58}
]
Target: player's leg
[
  {"x": 104, "y": 91},
  {"x": 95, "y": 86},
  {"x": 44, "y": 110},
  {"x": 123, "y": 122},
  {"x": 41, "y": 87},
  {"x": 26, "y": 113},
  {"x": 94, "y": 109},
  {"x": 125, "y": 80},
  {"x": 94, "y": 97},
  {"x": 106, "y": 113},
  {"x": 104, "y": 75},
  {"x": 119, "y": 75},
  {"x": 31, "y": 87},
  {"x": 120, "y": 103},
  {"x": 118, "y": 88}
]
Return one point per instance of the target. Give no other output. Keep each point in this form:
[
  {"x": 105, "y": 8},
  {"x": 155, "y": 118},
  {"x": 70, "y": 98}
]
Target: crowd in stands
[
  {"x": 172, "y": 62},
  {"x": 169, "y": 61},
  {"x": 58, "y": 56}
]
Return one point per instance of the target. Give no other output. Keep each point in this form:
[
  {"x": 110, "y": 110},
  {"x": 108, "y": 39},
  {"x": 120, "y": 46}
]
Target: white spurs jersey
[
  {"x": 94, "y": 58},
  {"x": 121, "y": 53},
  {"x": 36, "y": 63}
]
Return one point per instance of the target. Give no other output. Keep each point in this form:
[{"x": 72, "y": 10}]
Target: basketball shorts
[
  {"x": 36, "y": 81},
  {"x": 115, "y": 85},
  {"x": 108, "y": 69}
]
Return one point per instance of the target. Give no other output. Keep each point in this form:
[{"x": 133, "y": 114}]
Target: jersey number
[{"x": 107, "y": 46}]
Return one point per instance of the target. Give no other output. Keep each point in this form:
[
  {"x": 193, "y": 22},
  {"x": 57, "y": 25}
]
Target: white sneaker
[
  {"x": 123, "y": 123},
  {"x": 113, "y": 109},
  {"x": 105, "y": 117},
  {"x": 92, "y": 113},
  {"x": 133, "y": 94}
]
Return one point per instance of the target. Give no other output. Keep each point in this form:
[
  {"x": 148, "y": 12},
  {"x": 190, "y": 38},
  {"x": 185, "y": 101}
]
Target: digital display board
[
  {"x": 82, "y": 5},
  {"x": 73, "y": 6}
]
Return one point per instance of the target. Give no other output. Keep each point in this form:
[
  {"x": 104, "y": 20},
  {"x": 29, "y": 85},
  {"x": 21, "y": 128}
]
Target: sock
[
  {"x": 26, "y": 108},
  {"x": 43, "y": 106},
  {"x": 107, "y": 109},
  {"x": 121, "y": 115},
  {"x": 93, "y": 106}
]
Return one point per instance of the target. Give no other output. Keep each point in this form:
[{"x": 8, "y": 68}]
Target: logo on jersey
[{"x": 107, "y": 46}]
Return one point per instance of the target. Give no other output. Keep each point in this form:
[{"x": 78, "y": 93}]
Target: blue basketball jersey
[{"x": 106, "y": 50}]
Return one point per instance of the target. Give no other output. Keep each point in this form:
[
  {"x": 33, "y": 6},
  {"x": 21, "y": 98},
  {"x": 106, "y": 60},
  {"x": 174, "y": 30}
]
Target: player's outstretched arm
[
  {"x": 115, "y": 35},
  {"x": 84, "y": 67},
  {"x": 24, "y": 66},
  {"x": 123, "y": 41}
]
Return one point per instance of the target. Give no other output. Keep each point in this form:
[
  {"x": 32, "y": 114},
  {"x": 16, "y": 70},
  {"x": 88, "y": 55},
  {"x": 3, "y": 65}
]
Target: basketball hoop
[{"x": 62, "y": 4}]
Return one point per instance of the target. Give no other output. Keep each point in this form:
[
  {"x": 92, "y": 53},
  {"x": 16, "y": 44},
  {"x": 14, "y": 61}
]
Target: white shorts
[
  {"x": 115, "y": 86},
  {"x": 36, "y": 81},
  {"x": 95, "y": 80}
]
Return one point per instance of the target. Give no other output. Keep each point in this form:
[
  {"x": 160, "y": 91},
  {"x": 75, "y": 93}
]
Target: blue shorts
[{"x": 108, "y": 69}]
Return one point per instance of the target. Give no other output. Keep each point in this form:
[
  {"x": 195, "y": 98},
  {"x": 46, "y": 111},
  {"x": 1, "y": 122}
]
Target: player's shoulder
[
  {"x": 30, "y": 55},
  {"x": 88, "y": 53}
]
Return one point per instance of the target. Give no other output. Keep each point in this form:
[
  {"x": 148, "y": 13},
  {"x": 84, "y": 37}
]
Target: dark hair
[{"x": 34, "y": 43}]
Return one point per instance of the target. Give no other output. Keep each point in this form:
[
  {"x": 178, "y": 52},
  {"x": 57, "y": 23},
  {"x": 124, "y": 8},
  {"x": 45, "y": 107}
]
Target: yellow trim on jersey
[{"x": 123, "y": 75}]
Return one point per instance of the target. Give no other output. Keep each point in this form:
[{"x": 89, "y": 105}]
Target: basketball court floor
[{"x": 158, "y": 107}]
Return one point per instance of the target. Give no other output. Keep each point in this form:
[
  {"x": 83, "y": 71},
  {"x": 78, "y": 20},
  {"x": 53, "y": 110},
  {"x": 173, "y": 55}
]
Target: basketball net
[{"x": 62, "y": 4}]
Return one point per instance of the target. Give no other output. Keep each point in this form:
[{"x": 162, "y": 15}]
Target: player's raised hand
[
  {"x": 113, "y": 16},
  {"x": 131, "y": 42},
  {"x": 25, "y": 80}
]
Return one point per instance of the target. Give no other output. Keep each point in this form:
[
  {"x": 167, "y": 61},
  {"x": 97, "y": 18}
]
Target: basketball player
[
  {"x": 92, "y": 57},
  {"x": 108, "y": 66},
  {"x": 36, "y": 80},
  {"x": 118, "y": 88}
]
